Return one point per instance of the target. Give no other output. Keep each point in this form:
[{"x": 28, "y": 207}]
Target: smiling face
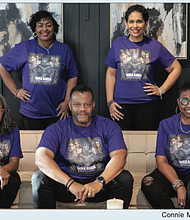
[
  {"x": 185, "y": 110},
  {"x": 44, "y": 30},
  {"x": 136, "y": 26},
  {"x": 82, "y": 106}
]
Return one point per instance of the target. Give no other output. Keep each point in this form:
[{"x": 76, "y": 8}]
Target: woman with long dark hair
[{"x": 10, "y": 154}]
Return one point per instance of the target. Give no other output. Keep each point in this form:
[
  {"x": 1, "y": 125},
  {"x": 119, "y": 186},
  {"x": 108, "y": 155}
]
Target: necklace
[
  {"x": 182, "y": 128},
  {"x": 46, "y": 48}
]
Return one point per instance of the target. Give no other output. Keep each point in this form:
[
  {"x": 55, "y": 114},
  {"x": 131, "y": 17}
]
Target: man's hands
[
  {"x": 4, "y": 177},
  {"x": 88, "y": 190}
]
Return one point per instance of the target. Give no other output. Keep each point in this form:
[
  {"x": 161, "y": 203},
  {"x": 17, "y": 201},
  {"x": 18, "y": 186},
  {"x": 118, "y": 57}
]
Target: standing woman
[
  {"x": 10, "y": 154},
  {"x": 132, "y": 95},
  {"x": 49, "y": 72},
  {"x": 172, "y": 177}
]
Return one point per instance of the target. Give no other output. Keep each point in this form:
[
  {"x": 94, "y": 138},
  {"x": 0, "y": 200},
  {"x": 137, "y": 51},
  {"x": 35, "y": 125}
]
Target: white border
[{"x": 57, "y": 214}]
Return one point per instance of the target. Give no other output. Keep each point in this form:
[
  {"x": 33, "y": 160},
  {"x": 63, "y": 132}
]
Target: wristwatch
[{"x": 101, "y": 179}]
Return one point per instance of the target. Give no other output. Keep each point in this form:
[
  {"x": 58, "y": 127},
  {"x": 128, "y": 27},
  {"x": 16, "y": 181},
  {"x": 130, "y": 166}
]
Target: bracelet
[
  {"x": 160, "y": 93},
  {"x": 174, "y": 184},
  {"x": 110, "y": 102},
  {"x": 163, "y": 89},
  {"x": 68, "y": 182},
  {"x": 16, "y": 93},
  {"x": 70, "y": 185},
  {"x": 179, "y": 186}
]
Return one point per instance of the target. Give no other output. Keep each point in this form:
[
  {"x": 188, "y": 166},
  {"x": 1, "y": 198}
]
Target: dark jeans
[
  {"x": 9, "y": 192},
  {"x": 158, "y": 190},
  {"x": 140, "y": 116},
  {"x": 46, "y": 191},
  {"x": 38, "y": 124}
]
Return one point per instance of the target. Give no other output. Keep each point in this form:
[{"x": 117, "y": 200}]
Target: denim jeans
[
  {"x": 9, "y": 192},
  {"x": 158, "y": 190},
  {"x": 47, "y": 191}
]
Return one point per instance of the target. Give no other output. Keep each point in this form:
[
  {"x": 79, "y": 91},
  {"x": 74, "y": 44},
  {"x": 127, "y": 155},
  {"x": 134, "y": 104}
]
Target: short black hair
[
  {"x": 36, "y": 17},
  {"x": 81, "y": 89},
  {"x": 139, "y": 8},
  {"x": 185, "y": 87}
]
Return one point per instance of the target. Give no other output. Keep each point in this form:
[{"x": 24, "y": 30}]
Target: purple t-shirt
[
  {"x": 10, "y": 146},
  {"x": 44, "y": 74},
  {"x": 173, "y": 143},
  {"x": 135, "y": 64},
  {"x": 83, "y": 152}
]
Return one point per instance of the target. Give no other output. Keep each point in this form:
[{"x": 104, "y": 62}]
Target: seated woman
[
  {"x": 172, "y": 177},
  {"x": 10, "y": 154}
]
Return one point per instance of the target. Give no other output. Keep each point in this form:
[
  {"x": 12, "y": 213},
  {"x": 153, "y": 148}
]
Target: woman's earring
[
  {"x": 146, "y": 31},
  {"x": 176, "y": 109},
  {"x": 34, "y": 35},
  {"x": 126, "y": 31}
]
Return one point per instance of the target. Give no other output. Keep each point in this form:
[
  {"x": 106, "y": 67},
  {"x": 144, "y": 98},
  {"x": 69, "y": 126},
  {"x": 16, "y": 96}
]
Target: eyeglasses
[
  {"x": 184, "y": 101},
  {"x": 2, "y": 110}
]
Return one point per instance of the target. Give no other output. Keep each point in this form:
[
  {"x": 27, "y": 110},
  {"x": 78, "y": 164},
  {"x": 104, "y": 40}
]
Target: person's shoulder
[
  {"x": 104, "y": 121},
  {"x": 170, "y": 121},
  {"x": 14, "y": 131},
  {"x": 27, "y": 42},
  {"x": 60, "y": 125},
  {"x": 152, "y": 40},
  {"x": 62, "y": 45},
  {"x": 119, "y": 39}
]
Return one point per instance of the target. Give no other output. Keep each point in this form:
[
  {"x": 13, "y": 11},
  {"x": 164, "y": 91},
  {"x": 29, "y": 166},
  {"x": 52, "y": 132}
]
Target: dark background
[{"x": 86, "y": 29}]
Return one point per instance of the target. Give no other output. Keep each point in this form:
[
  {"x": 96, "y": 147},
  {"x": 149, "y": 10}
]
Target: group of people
[{"x": 82, "y": 157}]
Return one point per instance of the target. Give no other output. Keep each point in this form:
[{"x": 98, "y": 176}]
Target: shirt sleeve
[
  {"x": 115, "y": 137},
  {"x": 10, "y": 60},
  {"x": 15, "y": 144},
  {"x": 50, "y": 139},
  {"x": 165, "y": 57},
  {"x": 110, "y": 59},
  {"x": 160, "y": 150},
  {"x": 72, "y": 70}
]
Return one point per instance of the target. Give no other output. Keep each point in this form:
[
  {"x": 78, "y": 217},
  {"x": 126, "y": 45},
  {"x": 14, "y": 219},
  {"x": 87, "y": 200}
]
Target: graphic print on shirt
[
  {"x": 85, "y": 155},
  {"x": 134, "y": 64},
  {"x": 179, "y": 150},
  {"x": 4, "y": 152},
  {"x": 43, "y": 68}
]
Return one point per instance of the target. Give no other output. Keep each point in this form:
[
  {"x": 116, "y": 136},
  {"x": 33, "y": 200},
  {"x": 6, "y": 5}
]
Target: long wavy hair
[{"x": 7, "y": 123}]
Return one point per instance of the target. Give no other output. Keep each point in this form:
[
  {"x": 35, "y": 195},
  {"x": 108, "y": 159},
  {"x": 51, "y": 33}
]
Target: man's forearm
[
  {"x": 49, "y": 167},
  {"x": 115, "y": 166}
]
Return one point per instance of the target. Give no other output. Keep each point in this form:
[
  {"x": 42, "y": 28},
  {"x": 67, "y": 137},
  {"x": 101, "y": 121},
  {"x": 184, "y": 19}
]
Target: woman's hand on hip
[
  {"x": 64, "y": 110},
  {"x": 151, "y": 89},
  {"x": 23, "y": 95},
  {"x": 114, "y": 112}
]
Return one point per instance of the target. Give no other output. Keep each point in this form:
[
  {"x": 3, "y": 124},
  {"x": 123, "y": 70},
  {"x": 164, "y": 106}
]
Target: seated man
[{"x": 81, "y": 158}]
